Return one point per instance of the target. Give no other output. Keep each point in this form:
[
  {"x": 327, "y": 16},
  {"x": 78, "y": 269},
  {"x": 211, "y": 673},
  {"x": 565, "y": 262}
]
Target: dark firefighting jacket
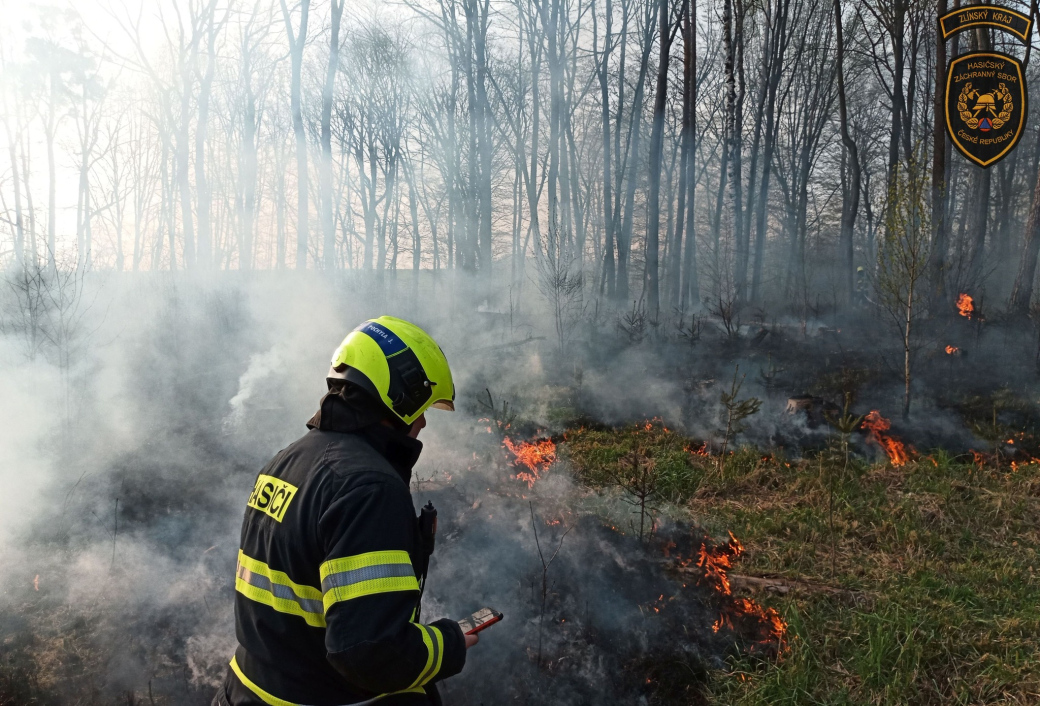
[{"x": 327, "y": 584}]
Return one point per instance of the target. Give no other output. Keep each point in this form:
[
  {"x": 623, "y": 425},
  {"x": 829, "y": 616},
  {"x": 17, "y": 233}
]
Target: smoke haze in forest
[{"x": 604, "y": 210}]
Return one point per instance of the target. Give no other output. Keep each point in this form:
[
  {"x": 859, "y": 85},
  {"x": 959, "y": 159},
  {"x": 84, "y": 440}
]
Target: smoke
[
  {"x": 128, "y": 474},
  {"x": 30, "y": 402}
]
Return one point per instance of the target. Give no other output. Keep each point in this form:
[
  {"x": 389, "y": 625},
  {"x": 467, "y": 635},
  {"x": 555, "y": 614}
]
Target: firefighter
[
  {"x": 861, "y": 285},
  {"x": 332, "y": 558}
]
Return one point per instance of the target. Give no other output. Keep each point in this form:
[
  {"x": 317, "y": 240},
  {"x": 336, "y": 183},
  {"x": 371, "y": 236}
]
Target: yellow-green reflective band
[
  {"x": 416, "y": 690},
  {"x": 260, "y": 693},
  {"x": 429, "y": 654},
  {"x": 275, "y": 701},
  {"x": 259, "y": 582},
  {"x": 439, "y": 657},
  {"x": 365, "y": 574},
  {"x": 434, "y": 640}
]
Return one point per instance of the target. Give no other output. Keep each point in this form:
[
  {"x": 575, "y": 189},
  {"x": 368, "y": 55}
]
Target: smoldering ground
[{"x": 126, "y": 471}]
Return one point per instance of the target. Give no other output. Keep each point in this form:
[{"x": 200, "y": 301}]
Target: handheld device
[{"x": 483, "y": 618}]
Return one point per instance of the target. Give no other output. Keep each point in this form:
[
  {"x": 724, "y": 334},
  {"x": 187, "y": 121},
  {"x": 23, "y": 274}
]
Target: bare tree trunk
[
  {"x": 484, "y": 135},
  {"x": 413, "y": 205},
  {"x": 729, "y": 79},
  {"x": 297, "y": 40},
  {"x": 52, "y": 177},
  {"x": 937, "y": 255},
  {"x": 16, "y": 182},
  {"x": 1022, "y": 291},
  {"x": 578, "y": 206},
  {"x": 34, "y": 252},
  {"x": 674, "y": 263},
  {"x": 896, "y": 30},
  {"x": 779, "y": 44},
  {"x": 280, "y": 206},
  {"x": 88, "y": 121},
  {"x": 690, "y": 285},
  {"x": 328, "y": 228},
  {"x": 979, "y": 225},
  {"x": 118, "y": 203},
  {"x": 736, "y": 132},
  {"x": 619, "y": 171},
  {"x": 248, "y": 154},
  {"x": 607, "y": 281},
  {"x": 183, "y": 159},
  {"x": 550, "y": 26},
  {"x": 765, "y": 73},
  {"x": 983, "y": 187},
  {"x": 202, "y": 188},
  {"x": 850, "y": 195},
  {"x": 907, "y": 348},
  {"x": 635, "y": 130},
  {"x": 656, "y": 148}
]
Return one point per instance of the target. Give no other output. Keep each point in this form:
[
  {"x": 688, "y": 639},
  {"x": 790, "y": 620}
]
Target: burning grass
[
  {"x": 940, "y": 551},
  {"x": 877, "y": 428},
  {"x": 536, "y": 456},
  {"x": 760, "y": 626}
]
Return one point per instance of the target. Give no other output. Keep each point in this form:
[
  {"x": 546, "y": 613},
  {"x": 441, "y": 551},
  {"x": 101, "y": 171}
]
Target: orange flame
[
  {"x": 536, "y": 455},
  {"x": 717, "y": 561},
  {"x": 877, "y": 426},
  {"x": 950, "y": 350},
  {"x": 771, "y": 625},
  {"x": 769, "y": 628},
  {"x": 701, "y": 450},
  {"x": 965, "y": 305}
]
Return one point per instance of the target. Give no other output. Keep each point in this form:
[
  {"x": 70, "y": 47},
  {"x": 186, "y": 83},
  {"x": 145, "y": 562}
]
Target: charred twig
[
  {"x": 502, "y": 416},
  {"x": 545, "y": 575}
]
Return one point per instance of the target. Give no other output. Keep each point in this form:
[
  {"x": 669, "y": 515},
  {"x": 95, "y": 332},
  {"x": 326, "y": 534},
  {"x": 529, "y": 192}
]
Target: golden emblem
[{"x": 985, "y": 111}]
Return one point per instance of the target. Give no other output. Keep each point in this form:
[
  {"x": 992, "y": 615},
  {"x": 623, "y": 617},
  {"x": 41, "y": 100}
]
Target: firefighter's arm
[{"x": 370, "y": 593}]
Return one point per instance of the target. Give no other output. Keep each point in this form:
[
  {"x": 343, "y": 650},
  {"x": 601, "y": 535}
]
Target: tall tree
[
  {"x": 328, "y": 228},
  {"x": 690, "y": 285},
  {"x": 937, "y": 255},
  {"x": 634, "y": 131},
  {"x": 607, "y": 279},
  {"x": 297, "y": 40},
  {"x": 851, "y": 177},
  {"x": 209, "y": 28},
  {"x": 653, "y": 224}
]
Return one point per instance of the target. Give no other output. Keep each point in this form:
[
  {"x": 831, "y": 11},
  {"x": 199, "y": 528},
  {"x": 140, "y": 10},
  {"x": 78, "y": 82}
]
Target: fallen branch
[{"x": 782, "y": 586}]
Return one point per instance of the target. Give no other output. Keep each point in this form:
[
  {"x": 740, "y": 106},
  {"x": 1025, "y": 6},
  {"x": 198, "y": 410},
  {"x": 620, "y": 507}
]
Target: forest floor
[{"x": 935, "y": 564}]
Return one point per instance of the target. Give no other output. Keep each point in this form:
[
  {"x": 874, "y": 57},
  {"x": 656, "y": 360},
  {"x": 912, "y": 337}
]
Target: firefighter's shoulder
[{"x": 351, "y": 454}]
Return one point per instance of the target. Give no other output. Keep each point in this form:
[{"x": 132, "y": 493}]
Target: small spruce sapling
[
  {"x": 736, "y": 411},
  {"x": 638, "y": 475},
  {"x": 845, "y": 424}
]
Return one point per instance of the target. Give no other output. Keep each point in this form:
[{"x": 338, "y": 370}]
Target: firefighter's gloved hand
[{"x": 471, "y": 640}]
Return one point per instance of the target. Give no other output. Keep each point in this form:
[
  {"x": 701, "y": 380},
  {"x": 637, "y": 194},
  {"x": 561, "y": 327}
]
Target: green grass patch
[{"x": 942, "y": 554}]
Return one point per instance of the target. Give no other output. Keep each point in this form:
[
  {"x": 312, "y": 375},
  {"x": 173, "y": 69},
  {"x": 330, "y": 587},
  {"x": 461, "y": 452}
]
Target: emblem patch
[
  {"x": 1001, "y": 18},
  {"x": 986, "y": 105},
  {"x": 272, "y": 496}
]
